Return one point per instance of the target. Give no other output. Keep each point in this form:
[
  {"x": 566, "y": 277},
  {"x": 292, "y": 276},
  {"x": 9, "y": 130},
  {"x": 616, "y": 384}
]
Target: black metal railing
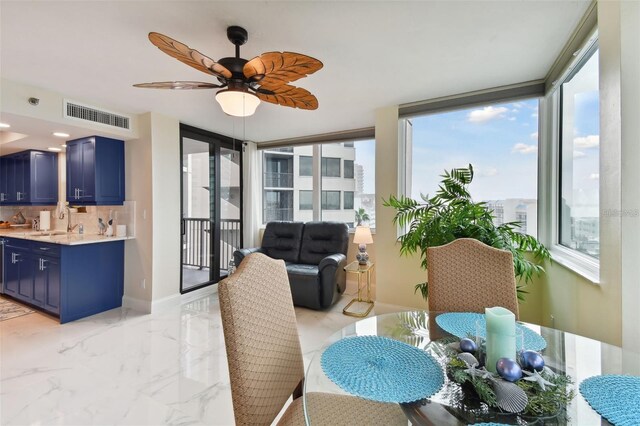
[
  {"x": 197, "y": 242},
  {"x": 278, "y": 180}
]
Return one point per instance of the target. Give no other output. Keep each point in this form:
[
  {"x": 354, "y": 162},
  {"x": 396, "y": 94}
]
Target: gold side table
[{"x": 355, "y": 268}]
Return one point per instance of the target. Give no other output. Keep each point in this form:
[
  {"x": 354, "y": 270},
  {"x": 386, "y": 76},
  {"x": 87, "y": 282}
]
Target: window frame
[{"x": 549, "y": 173}]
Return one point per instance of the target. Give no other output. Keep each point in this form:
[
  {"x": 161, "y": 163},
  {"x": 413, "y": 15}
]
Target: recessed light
[
  {"x": 61, "y": 135},
  {"x": 64, "y": 145},
  {"x": 51, "y": 148},
  {"x": 4, "y": 126}
]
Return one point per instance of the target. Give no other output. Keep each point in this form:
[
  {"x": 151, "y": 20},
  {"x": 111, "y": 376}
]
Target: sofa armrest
[
  {"x": 240, "y": 254},
  {"x": 332, "y": 278},
  {"x": 337, "y": 260}
]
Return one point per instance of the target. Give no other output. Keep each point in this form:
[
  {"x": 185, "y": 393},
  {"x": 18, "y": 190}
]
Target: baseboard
[
  {"x": 166, "y": 302},
  {"x": 142, "y": 306},
  {"x": 197, "y": 294},
  {"x": 147, "y": 307}
]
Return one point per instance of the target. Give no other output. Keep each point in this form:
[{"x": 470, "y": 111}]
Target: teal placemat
[
  {"x": 616, "y": 398},
  {"x": 463, "y": 324},
  {"x": 382, "y": 369}
]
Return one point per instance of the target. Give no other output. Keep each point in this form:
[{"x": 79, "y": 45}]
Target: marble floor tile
[{"x": 125, "y": 368}]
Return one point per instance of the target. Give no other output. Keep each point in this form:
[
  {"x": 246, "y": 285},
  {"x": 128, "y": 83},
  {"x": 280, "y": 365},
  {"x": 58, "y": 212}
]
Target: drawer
[
  {"x": 46, "y": 249},
  {"x": 17, "y": 243}
]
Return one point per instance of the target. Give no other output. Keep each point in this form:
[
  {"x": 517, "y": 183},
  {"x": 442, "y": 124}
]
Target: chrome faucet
[{"x": 69, "y": 227}]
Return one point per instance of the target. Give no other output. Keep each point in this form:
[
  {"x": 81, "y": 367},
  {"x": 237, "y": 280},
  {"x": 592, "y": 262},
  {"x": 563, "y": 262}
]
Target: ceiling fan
[{"x": 244, "y": 83}]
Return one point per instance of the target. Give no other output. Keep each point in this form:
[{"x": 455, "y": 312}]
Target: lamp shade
[
  {"x": 237, "y": 102},
  {"x": 363, "y": 235}
]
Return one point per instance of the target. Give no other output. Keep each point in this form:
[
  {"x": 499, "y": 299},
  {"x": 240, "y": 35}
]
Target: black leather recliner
[{"x": 315, "y": 255}]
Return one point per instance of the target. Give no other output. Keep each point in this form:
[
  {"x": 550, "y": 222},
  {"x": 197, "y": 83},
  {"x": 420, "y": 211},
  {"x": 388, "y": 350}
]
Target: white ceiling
[{"x": 375, "y": 53}]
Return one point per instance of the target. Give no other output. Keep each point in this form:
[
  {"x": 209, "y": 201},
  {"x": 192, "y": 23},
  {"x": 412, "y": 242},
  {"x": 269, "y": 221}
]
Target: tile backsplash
[{"x": 121, "y": 215}]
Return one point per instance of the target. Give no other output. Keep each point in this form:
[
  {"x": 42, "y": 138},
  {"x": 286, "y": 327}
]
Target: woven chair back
[
  {"x": 467, "y": 275},
  {"x": 261, "y": 337}
]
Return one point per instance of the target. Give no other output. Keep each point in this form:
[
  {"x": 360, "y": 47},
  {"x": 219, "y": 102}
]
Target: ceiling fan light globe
[{"x": 237, "y": 103}]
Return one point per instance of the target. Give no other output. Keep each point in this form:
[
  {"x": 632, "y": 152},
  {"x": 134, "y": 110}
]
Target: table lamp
[{"x": 362, "y": 237}]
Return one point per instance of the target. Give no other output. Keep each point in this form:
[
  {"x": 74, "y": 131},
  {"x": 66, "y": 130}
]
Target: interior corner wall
[
  {"x": 165, "y": 212},
  {"x": 630, "y": 157},
  {"x": 395, "y": 276},
  {"x": 138, "y": 264}
]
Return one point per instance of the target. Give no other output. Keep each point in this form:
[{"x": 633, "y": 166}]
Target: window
[
  {"x": 306, "y": 165},
  {"x": 499, "y": 140},
  {"x": 330, "y": 167},
  {"x": 306, "y": 200},
  {"x": 348, "y": 169},
  {"x": 331, "y": 200},
  {"x": 290, "y": 196},
  {"x": 278, "y": 205},
  {"x": 579, "y": 175},
  {"x": 348, "y": 200}
]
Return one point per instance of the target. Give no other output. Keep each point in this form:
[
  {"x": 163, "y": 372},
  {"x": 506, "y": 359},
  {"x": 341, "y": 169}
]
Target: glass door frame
[{"x": 216, "y": 142}]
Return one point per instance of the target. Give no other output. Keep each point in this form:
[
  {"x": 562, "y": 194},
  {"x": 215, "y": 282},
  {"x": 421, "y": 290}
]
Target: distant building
[
  {"x": 521, "y": 210},
  {"x": 288, "y": 183},
  {"x": 359, "y": 174}
]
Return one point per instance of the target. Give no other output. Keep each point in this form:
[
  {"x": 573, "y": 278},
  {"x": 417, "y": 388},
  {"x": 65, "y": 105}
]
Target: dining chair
[
  {"x": 467, "y": 275},
  {"x": 265, "y": 359}
]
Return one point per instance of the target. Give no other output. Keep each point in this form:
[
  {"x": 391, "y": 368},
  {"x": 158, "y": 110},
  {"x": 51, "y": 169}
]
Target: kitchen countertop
[{"x": 58, "y": 237}]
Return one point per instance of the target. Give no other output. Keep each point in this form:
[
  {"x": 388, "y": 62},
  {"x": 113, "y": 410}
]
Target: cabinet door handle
[
  {"x": 18, "y": 196},
  {"x": 1, "y": 196},
  {"x": 44, "y": 248},
  {"x": 42, "y": 262},
  {"x": 14, "y": 257}
]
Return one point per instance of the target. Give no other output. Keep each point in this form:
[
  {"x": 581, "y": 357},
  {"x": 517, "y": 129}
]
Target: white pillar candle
[
  {"x": 501, "y": 335},
  {"x": 45, "y": 220}
]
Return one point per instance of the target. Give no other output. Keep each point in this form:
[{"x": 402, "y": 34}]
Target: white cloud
[
  {"x": 594, "y": 176},
  {"x": 578, "y": 154},
  {"x": 486, "y": 114},
  {"x": 518, "y": 105},
  {"x": 488, "y": 172},
  {"x": 585, "y": 142},
  {"x": 534, "y": 115},
  {"x": 523, "y": 148},
  {"x": 511, "y": 119},
  {"x": 534, "y": 136}
]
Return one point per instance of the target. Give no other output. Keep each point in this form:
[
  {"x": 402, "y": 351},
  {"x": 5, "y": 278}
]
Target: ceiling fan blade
[
  {"x": 189, "y": 56},
  {"x": 179, "y": 85},
  {"x": 290, "y": 96},
  {"x": 280, "y": 68}
]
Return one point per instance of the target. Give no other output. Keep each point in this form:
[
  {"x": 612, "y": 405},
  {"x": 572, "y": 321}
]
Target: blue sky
[{"x": 500, "y": 141}]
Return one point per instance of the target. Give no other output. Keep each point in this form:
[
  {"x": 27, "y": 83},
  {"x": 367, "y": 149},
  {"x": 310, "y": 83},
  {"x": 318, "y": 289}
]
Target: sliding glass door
[{"x": 211, "y": 206}]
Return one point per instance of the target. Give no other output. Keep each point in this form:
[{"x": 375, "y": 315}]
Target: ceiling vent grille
[{"x": 87, "y": 113}]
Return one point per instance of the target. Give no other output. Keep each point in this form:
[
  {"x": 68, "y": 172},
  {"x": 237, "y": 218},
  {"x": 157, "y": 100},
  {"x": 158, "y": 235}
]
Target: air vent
[{"x": 84, "y": 112}]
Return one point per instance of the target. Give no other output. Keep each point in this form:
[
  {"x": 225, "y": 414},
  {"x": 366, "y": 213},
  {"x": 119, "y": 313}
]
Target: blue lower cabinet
[
  {"x": 92, "y": 279},
  {"x": 71, "y": 282}
]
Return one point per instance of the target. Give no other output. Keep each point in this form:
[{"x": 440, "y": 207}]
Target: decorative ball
[
  {"x": 508, "y": 369},
  {"x": 468, "y": 345},
  {"x": 532, "y": 360}
]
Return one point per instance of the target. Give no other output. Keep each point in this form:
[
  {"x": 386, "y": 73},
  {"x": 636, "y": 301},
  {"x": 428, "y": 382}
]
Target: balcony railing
[
  {"x": 197, "y": 242},
  {"x": 277, "y": 214},
  {"x": 278, "y": 180}
]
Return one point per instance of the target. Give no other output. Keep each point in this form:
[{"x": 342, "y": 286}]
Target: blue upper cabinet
[
  {"x": 29, "y": 178},
  {"x": 95, "y": 171}
]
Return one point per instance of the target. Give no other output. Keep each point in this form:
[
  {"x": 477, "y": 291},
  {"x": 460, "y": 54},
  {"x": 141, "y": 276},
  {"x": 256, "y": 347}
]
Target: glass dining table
[{"x": 579, "y": 357}]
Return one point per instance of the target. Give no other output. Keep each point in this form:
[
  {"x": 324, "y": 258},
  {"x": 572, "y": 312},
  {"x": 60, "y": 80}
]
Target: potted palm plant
[{"x": 450, "y": 214}]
